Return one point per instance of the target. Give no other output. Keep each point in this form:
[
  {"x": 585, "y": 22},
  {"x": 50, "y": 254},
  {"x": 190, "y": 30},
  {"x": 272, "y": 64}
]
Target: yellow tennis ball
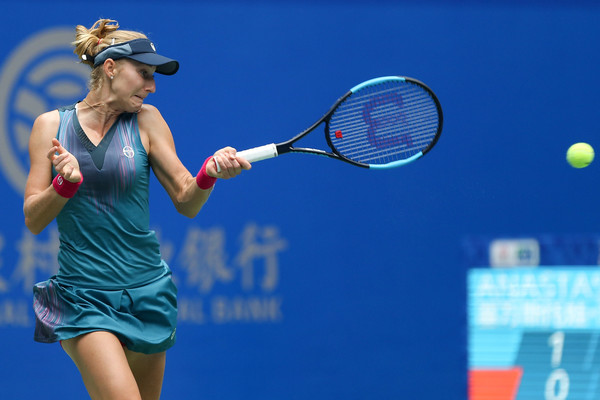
[{"x": 580, "y": 155}]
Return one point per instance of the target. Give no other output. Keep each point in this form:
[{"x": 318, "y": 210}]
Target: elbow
[
  {"x": 189, "y": 215},
  {"x": 189, "y": 206},
  {"x": 33, "y": 228},
  {"x": 189, "y": 212},
  {"x": 37, "y": 218},
  {"x": 35, "y": 225}
]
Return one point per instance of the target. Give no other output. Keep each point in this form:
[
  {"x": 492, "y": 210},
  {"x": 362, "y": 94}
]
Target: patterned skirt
[{"x": 143, "y": 318}]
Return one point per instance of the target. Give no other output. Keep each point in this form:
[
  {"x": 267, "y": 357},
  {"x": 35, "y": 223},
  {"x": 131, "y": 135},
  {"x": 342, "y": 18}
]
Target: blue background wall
[{"x": 367, "y": 292}]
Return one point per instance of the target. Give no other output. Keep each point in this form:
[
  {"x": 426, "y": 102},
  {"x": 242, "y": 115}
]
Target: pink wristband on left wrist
[
  {"x": 65, "y": 188},
  {"x": 203, "y": 180}
]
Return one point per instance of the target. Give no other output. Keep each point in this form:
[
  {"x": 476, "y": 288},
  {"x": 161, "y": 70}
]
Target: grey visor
[{"x": 141, "y": 50}]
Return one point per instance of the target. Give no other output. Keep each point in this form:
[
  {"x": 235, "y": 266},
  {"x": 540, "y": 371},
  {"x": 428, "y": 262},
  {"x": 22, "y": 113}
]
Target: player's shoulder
[
  {"x": 149, "y": 116},
  {"x": 45, "y": 127},
  {"x": 47, "y": 121},
  {"x": 148, "y": 110},
  {"x": 48, "y": 117}
]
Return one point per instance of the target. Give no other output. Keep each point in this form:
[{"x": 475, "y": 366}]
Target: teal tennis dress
[{"x": 111, "y": 275}]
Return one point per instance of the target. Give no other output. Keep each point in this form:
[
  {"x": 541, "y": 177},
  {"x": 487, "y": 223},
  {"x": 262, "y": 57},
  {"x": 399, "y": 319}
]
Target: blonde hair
[{"x": 89, "y": 42}]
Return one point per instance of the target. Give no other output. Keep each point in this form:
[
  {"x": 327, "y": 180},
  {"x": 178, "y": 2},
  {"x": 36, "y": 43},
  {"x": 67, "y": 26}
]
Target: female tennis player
[{"x": 112, "y": 305}]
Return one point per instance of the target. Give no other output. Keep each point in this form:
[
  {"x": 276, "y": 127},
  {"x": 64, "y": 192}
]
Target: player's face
[{"x": 133, "y": 82}]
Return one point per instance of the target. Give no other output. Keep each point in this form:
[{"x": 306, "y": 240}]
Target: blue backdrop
[{"x": 305, "y": 277}]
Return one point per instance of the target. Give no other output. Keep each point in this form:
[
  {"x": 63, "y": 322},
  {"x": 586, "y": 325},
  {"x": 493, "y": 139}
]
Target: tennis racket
[{"x": 382, "y": 123}]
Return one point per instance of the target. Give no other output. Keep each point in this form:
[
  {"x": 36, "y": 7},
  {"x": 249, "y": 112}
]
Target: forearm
[
  {"x": 195, "y": 192},
  {"x": 42, "y": 208},
  {"x": 191, "y": 199}
]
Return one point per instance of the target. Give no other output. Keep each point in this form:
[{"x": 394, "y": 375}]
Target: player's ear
[{"x": 110, "y": 67}]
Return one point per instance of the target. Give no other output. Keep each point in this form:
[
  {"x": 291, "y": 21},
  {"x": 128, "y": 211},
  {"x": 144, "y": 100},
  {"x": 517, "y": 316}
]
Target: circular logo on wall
[{"x": 41, "y": 74}]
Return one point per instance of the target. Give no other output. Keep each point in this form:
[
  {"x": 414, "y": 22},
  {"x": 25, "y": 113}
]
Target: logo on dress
[{"x": 128, "y": 151}]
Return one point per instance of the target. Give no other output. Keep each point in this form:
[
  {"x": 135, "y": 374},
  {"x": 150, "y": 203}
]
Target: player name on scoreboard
[{"x": 544, "y": 298}]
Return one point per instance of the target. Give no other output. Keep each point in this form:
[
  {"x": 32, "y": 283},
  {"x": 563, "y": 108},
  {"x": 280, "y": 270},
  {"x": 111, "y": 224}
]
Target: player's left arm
[{"x": 179, "y": 183}]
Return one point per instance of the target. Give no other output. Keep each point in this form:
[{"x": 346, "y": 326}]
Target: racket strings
[
  {"x": 384, "y": 123},
  {"x": 387, "y": 129}
]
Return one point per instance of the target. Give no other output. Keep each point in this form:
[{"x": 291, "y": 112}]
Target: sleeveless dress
[{"x": 111, "y": 276}]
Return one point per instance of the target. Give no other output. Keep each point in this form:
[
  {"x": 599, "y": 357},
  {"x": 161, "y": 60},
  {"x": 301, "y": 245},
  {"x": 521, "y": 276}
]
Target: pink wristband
[
  {"x": 65, "y": 188},
  {"x": 203, "y": 180}
]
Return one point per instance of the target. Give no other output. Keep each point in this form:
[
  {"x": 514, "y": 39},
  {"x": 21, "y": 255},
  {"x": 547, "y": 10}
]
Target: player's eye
[{"x": 146, "y": 74}]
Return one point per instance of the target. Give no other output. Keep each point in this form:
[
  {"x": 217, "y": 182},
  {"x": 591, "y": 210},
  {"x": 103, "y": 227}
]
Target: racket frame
[{"x": 273, "y": 150}]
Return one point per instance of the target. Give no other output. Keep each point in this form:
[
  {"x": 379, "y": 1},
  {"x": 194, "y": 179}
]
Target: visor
[{"x": 141, "y": 50}]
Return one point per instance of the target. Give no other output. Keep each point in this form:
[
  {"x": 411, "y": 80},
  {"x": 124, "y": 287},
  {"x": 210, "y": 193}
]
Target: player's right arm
[{"x": 42, "y": 204}]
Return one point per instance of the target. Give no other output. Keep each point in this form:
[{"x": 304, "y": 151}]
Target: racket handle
[{"x": 259, "y": 153}]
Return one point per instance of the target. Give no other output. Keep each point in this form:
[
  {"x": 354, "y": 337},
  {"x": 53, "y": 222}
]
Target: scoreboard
[{"x": 534, "y": 333}]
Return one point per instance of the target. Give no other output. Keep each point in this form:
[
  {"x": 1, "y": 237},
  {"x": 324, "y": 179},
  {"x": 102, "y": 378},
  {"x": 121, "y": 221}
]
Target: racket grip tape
[{"x": 259, "y": 153}]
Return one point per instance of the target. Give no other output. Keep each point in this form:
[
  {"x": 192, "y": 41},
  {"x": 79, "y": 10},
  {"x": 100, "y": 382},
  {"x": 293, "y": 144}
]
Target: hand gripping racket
[{"x": 381, "y": 123}]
